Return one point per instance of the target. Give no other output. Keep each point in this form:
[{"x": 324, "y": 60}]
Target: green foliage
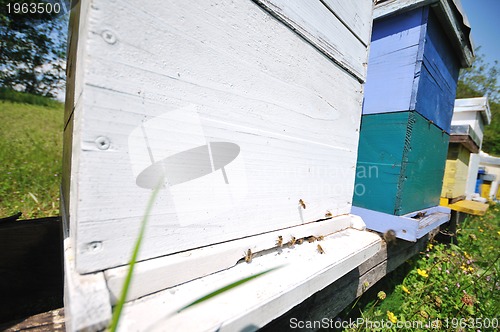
[
  {"x": 32, "y": 50},
  {"x": 479, "y": 80},
  {"x": 491, "y": 140},
  {"x": 135, "y": 254},
  {"x": 27, "y": 98},
  {"x": 448, "y": 287},
  {"x": 30, "y": 159}
]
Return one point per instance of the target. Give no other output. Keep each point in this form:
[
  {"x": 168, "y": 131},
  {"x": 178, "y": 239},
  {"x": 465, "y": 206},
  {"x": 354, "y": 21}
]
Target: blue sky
[{"x": 484, "y": 17}]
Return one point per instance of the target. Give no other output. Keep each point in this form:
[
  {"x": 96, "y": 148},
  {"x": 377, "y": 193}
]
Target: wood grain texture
[
  {"x": 52, "y": 320},
  {"x": 406, "y": 155},
  {"x": 221, "y": 94},
  {"x": 329, "y": 302},
  {"x": 394, "y": 51},
  {"x": 456, "y": 171},
  {"x": 438, "y": 76},
  {"x": 320, "y": 25},
  {"x": 356, "y": 15},
  {"x": 409, "y": 227},
  {"x": 412, "y": 66},
  {"x": 304, "y": 272},
  {"x": 170, "y": 271}
]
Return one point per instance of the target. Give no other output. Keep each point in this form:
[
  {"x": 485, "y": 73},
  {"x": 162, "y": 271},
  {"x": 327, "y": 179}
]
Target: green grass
[
  {"x": 30, "y": 158},
  {"x": 26, "y": 98},
  {"x": 456, "y": 286}
]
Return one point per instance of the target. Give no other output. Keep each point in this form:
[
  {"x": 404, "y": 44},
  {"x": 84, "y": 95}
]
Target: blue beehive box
[
  {"x": 416, "y": 53},
  {"x": 414, "y": 63}
]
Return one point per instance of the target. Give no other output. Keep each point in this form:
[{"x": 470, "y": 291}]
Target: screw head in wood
[
  {"x": 109, "y": 37},
  {"x": 102, "y": 143}
]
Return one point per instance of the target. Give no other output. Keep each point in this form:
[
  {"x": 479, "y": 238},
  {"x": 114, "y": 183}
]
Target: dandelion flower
[
  {"x": 422, "y": 273},
  {"x": 392, "y": 317}
]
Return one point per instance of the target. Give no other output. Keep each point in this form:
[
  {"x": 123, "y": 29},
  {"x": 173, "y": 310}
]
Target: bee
[
  {"x": 248, "y": 256},
  {"x": 300, "y": 241},
  {"x": 328, "y": 214},
  {"x": 390, "y": 236},
  {"x": 279, "y": 242},
  {"x": 311, "y": 239},
  {"x": 302, "y": 204},
  {"x": 320, "y": 250},
  {"x": 292, "y": 241},
  {"x": 320, "y": 238},
  {"x": 421, "y": 214}
]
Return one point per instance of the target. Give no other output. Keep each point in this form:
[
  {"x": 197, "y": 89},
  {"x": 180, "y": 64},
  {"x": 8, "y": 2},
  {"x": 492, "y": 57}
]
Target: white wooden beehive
[{"x": 240, "y": 108}]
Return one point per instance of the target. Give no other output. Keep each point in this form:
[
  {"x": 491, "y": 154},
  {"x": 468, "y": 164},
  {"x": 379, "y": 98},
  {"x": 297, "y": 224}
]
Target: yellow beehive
[{"x": 455, "y": 174}]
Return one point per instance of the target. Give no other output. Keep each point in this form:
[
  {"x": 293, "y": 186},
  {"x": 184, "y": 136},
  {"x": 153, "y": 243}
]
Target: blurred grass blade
[
  {"x": 126, "y": 285},
  {"x": 227, "y": 287}
]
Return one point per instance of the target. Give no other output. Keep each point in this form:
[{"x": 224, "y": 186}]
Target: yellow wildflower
[
  {"x": 381, "y": 295},
  {"x": 392, "y": 317},
  {"x": 430, "y": 246},
  {"x": 471, "y": 269},
  {"x": 481, "y": 230},
  {"x": 498, "y": 232},
  {"x": 405, "y": 289},
  {"x": 453, "y": 253},
  {"x": 467, "y": 255},
  {"x": 422, "y": 273}
]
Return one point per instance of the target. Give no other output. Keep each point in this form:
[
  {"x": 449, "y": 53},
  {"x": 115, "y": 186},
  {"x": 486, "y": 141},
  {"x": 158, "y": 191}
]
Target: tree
[
  {"x": 479, "y": 80},
  {"x": 32, "y": 49}
]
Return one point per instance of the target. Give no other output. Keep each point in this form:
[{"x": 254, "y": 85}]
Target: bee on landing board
[
  {"x": 320, "y": 238},
  {"x": 311, "y": 239},
  {"x": 292, "y": 241},
  {"x": 320, "y": 249},
  {"x": 328, "y": 214},
  {"x": 390, "y": 236},
  {"x": 248, "y": 256},
  {"x": 300, "y": 241},
  {"x": 279, "y": 242},
  {"x": 302, "y": 204},
  {"x": 421, "y": 214}
]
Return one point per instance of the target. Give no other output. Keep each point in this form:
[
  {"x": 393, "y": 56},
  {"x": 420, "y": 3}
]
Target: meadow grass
[
  {"x": 447, "y": 287},
  {"x": 30, "y": 158}
]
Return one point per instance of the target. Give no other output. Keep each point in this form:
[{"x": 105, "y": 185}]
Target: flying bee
[
  {"x": 328, "y": 214},
  {"x": 292, "y": 241},
  {"x": 302, "y": 204},
  {"x": 279, "y": 242},
  {"x": 300, "y": 241},
  {"x": 311, "y": 239},
  {"x": 248, "y": 256},
  {"x": 320, "y": 250},
  {"x": 390, "y": 236},
  {"x": 320, "y": 238}
]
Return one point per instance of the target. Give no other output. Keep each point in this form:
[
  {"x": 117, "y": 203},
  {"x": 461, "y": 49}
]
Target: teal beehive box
[{"x": 401, "y": 162}]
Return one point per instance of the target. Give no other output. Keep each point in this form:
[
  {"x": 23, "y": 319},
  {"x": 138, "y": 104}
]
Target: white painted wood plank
[
  {"x": 232, "y": 74},
  {"x": 356, "y": 15},
  {"x": 304, "y": 273},
  {"x": 316, "y": 23},
  {"x": 87, "y": 305},
  {"x": 405, "y": 227},
  {"x": 169, "y": 271},
  {"x": 392, "y": 7}
]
